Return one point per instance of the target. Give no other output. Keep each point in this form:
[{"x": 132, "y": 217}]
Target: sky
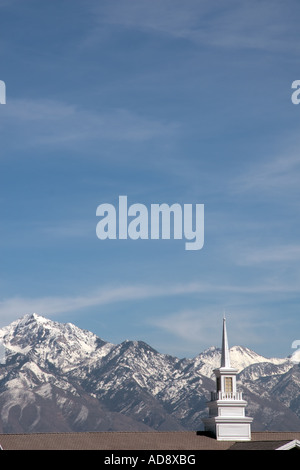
[{"x": 162, "y": 101}]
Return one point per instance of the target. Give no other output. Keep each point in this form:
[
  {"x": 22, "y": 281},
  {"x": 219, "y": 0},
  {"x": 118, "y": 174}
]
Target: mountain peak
[
  {"x": 29, "y": 317},
  {"x": 240, "y": 356},
  {"x": 47, "y": 341}
]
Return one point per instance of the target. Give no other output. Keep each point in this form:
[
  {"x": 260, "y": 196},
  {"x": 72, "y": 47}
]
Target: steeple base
[{"x": 229, "y": 429}]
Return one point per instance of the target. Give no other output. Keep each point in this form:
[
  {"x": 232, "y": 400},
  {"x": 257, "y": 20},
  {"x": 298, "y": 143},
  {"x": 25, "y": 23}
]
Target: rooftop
[{"x": 177, "y": 440}]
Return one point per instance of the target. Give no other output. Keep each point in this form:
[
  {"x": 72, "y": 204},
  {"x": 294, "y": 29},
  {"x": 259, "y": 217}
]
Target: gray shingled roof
[{"x": 141, "y": 441}]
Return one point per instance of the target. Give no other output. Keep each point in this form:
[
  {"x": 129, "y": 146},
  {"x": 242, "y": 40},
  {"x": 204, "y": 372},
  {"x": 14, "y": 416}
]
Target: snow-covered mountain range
[{"x": 58, "y": 377}]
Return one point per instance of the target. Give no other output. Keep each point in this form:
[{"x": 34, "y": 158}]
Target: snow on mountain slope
[
  {"x": 65, "y": 346},
  {"x": 240, "y": 358},
  {"x": 60, "y": 377}
]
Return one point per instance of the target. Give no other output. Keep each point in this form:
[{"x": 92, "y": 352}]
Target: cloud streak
[
  {"x": 43, "y": 122},
  {"x": 197, "y": 327},
  {"x": 270, "y": 254},
  {"x": 273, "y": 175},
  {"x": 237, "y": 25},
  {"x": 15, "y": 307}
]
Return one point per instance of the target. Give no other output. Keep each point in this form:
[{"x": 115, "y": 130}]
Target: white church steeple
[{"x": 227, "y": 420}]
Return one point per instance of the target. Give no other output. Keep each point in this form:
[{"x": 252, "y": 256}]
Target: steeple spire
[{"x": 225, "y": 358}]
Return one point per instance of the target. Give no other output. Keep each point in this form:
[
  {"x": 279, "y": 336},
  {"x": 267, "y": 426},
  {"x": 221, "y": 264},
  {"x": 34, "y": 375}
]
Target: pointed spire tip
[{"x": 225, "y": 358}]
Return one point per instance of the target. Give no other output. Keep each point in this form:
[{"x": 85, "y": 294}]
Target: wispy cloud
[
  {"x": 196, "y": 328},
  {"x": 238, "y": 25},
  {"x": 271, "y": 175},
  {"x": 14, "y": 307},
  {"x": 189, "y": 325},
  {"x": 66, "y": 229},
  {"x": 53, "y": 122},
  {"x": 270, "y": 254}
]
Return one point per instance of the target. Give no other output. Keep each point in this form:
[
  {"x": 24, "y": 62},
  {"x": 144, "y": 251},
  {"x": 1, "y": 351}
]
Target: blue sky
[{"x": 163, "y": 101}]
